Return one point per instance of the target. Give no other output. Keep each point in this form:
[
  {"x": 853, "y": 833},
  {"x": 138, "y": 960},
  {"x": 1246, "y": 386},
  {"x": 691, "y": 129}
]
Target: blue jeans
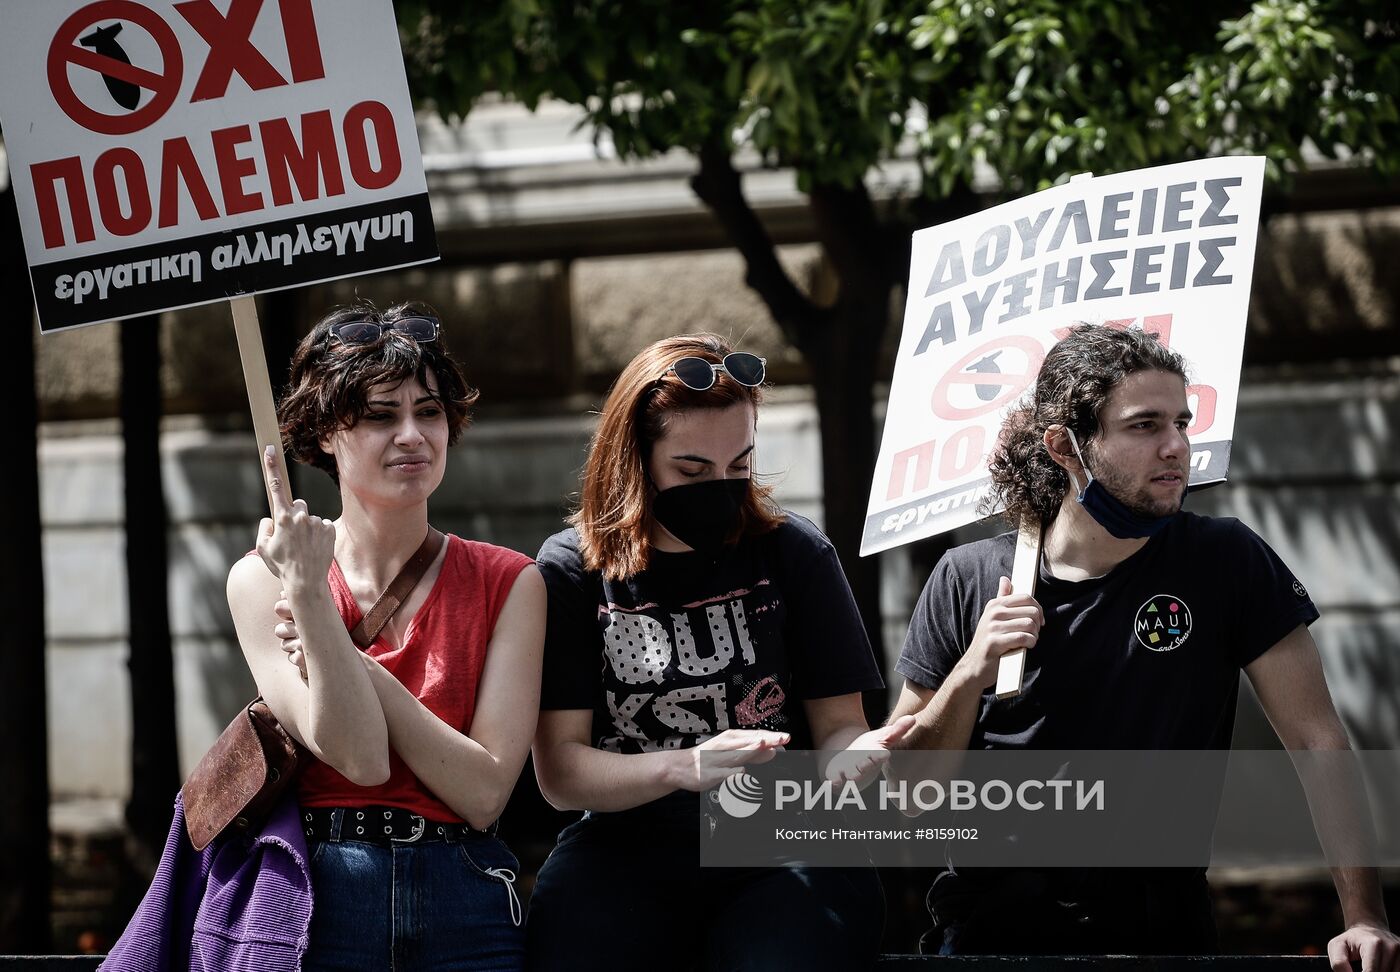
[
  {"x": 433, "y": 906},
  {"x": 625, "y": 891}
]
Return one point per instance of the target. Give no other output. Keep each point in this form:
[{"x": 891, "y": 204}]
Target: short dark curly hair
[
  {"x": 1072, "y": 387},
  {"x": 330, "y": 380}
]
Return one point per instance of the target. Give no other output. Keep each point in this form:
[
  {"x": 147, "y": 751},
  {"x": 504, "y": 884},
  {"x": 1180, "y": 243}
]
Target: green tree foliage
[
  {"x": 1031, "y": 89},
  {"x": 1004, "y": 96}
]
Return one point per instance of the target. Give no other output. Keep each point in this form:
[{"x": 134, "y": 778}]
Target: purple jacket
[{"x": 240, "y": 904}]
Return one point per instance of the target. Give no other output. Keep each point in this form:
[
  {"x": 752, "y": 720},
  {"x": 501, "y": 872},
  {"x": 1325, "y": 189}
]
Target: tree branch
[
  {"x": 719, "y": 187},
  {"x": 851, "y": 234}
]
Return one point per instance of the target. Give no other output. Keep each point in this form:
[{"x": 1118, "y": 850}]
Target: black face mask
[
  {"x": 1110, "y": 512},
  {"x": 701, "y": 515}
]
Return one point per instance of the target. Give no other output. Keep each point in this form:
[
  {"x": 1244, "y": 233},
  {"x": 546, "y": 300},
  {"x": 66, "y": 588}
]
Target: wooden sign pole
[
  {"x": 250, "y": 353},
  {"x": 1025, "y": 570}
]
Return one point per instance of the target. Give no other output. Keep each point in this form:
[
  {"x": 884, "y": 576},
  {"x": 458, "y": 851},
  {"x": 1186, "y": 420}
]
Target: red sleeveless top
[{"x": 440, "y": 662}]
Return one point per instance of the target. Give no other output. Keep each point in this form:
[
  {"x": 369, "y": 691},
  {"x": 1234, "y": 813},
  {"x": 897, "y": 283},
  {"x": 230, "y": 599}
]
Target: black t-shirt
[
  {"x": 1145, "y": 657},
  {"x": 697, "y": 644}
]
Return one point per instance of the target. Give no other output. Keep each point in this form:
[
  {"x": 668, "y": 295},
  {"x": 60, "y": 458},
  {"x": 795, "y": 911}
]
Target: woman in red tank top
[{"x": 418, "y": 737}]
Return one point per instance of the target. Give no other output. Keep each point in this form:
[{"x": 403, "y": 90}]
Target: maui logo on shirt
[{"x": 1163, "y": 623}]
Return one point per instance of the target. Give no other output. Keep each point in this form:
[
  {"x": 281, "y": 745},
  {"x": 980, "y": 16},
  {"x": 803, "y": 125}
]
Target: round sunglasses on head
[
  {"x": 700, "y": 374},
  {"x": 420, "y": 329}
]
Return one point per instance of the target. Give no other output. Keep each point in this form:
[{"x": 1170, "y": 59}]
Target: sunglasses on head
[
  {"x": 700, "y": 374},
  {"x": 419, "y": 329}
]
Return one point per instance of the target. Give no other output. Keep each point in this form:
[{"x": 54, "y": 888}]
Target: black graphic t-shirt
[
  {"x": 1147, "y": 656},
  {"x": 695, "y": 644}
]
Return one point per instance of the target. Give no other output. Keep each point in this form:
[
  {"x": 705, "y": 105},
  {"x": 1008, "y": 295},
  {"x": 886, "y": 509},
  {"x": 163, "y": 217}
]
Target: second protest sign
[{"x": 1168, "y": 249}]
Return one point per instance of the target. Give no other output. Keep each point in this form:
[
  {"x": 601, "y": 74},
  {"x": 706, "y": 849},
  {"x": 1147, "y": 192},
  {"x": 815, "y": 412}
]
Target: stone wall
[{"x": 549, "y": 334}]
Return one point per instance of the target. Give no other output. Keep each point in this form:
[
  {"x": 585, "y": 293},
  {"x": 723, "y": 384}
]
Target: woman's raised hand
[
  {"x": 720, "y": 757},
  {"x": 295, "y": 545}
]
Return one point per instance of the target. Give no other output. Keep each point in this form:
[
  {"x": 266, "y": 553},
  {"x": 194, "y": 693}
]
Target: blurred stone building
[{"x": 558, "y": 262}]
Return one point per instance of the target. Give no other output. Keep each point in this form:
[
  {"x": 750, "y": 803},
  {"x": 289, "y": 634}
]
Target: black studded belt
[{"x": 385, "y": 826}]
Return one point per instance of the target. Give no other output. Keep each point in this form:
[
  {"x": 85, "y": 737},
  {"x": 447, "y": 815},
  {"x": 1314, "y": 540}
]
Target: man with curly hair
[{"x": 1143, "y": 618}]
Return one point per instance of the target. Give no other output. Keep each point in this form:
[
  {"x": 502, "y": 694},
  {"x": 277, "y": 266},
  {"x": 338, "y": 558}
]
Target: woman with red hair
[{"x": 694, "y": 628}]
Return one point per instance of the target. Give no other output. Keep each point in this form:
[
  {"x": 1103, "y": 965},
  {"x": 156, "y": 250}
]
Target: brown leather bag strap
[{"x": 397, "y": 592}]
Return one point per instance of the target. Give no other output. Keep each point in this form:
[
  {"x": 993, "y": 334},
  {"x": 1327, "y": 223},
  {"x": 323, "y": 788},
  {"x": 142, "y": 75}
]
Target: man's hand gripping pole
[{"x": 1025, "y": 569}]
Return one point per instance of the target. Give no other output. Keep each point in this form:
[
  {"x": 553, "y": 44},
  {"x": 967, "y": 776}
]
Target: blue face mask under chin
[{"x": 1111, "y": 513}]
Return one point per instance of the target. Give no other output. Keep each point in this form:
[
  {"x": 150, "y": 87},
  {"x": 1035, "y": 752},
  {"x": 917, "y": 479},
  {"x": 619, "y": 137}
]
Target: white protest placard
[
  {"x": 1168, "y": 249},
  {"x": 165, "y": 154}
]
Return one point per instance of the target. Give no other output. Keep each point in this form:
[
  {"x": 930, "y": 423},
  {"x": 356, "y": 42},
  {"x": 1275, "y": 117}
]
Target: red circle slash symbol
[
  {"x": 67, "y": 50},
  {"x": 981, "y": 369}
]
